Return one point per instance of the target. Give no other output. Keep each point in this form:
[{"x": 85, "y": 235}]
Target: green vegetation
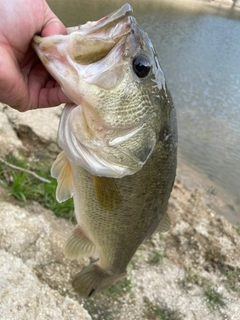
[
  {"x": 64, "y": 292},
  {"x": 212, "y": 191},
  {"x": 232, "y": 280},
  {"x": 193, "y": 278},
  {"x": 167, "y": 314},
  {"x": 155, "y": 247},
  {"x": 157, "y": 312},
  {"x": 213, "y": 297},
  {"x": 105, "y": 304},
  {"x": 156, "y": 257},
  {"x": 237, "y": 230},
  {"x": 119, "y": 289},
  {"x": 25, "y": 187}
]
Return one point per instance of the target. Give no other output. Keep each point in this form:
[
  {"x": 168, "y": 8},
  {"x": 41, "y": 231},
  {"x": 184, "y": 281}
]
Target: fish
[{"x": 118, "y": 139}]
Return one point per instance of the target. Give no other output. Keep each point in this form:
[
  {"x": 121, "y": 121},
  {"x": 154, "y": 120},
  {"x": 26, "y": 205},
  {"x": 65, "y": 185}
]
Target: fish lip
[
  {"x": 122, "y": 18},
  {"x": 113, "y": 17},
  {"x": 110, "y": 19}
]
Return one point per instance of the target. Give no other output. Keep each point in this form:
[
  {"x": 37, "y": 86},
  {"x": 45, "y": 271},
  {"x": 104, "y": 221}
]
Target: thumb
[{"x": 51, "y": 24}]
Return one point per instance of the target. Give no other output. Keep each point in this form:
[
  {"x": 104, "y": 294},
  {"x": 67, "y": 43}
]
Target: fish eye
[{"x": 141, "y": 66}]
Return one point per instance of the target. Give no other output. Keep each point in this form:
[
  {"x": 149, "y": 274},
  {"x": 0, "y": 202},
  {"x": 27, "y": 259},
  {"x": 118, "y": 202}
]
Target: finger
[
  {"x": 13, "y": 89},
  {"x": 52, "y": 25},
  {"x": 44, "y": 91},
  {"x": 49, "y": 97},
  {"x": 51, "y": 84}
]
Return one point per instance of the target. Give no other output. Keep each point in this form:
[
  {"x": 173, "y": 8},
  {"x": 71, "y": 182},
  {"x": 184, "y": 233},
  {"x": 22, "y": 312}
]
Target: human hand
[{"x": 24, "y": 82}]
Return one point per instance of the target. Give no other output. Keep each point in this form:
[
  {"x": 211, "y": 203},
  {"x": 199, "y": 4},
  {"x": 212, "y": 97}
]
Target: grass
[
  {"x": 237, "y": 230},
  {"x": 213, "y": 298},
  {"x": 156, "y": 257},
  {"x": 167, "y": 314},
  {"x": 232, "y": 280},
  {"x": 24, "y": 187},
  {"x": 155, "y": 246},
  {"x": 119, "y": 289},
  {"x": 212, "y": 191},
  {"x": 193, "y": 278},
  {"x": 18, "y": 187},
  {"x": 157, "y": 312},
  {"x": 64, "y": 293}
]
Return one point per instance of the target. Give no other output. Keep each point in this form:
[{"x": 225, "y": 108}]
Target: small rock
[
  {"x": 42, "y": 122},
  {"x": 9, "y": 141}
]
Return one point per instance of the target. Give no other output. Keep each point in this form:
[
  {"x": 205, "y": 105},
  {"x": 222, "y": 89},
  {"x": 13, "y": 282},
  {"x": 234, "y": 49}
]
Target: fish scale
[{"x": 119, "y": 141}]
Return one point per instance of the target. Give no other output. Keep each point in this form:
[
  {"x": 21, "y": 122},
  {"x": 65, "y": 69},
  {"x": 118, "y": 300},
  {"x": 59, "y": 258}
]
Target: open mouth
[
  {"x": 92, "y": 41},
  {"x": 109, "y": 24}
]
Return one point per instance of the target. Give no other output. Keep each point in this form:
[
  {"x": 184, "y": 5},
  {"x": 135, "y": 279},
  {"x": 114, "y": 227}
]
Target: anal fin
[{"x": 79, "y": 245}]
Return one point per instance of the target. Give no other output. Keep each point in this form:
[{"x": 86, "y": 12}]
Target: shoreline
[
  {"x": 214, "y": 196},
  {"x": 224, "y": 8}
]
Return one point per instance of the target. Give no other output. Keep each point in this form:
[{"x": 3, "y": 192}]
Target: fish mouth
[
  {"x": 93, "y": 41},
  {"x": 78, "y": 56},
  {"x": 109, "y": 23},
  {"x": 89, "y": 42}
]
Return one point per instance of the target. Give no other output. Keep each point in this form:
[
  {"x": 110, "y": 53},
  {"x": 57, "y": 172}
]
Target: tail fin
[{"x": 93, "y": 279}]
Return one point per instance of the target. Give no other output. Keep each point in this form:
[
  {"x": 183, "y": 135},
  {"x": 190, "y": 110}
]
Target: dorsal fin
[
  {"x": 107, "y": 192},
  {"x": 61, "y": 170}
]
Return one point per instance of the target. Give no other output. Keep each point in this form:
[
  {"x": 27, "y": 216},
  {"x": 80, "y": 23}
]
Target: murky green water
[{"x": 199, "y": 51}]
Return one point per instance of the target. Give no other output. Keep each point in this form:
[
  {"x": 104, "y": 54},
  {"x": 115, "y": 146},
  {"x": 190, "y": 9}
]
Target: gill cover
[{"x": 82, "y": 146}]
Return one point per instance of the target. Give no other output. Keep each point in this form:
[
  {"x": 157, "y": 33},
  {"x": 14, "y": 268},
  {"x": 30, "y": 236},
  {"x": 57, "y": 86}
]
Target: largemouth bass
[{"x": 119, "y": 141}]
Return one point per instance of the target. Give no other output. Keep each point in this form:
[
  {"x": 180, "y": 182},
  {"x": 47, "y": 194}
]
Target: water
[{"x": 199, "y": 50}]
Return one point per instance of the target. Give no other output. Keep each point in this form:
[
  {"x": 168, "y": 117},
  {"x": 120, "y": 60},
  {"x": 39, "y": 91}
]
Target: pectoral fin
[
  {"x": 165, "y": 224},
  {"x": 107, "y": 192},
  {"x": 61, "y": 170},
  {"x": 79, "y": 245}
]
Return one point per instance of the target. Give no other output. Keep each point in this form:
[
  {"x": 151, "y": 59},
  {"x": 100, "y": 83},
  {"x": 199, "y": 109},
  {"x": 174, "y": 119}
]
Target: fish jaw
[{"x": 105, "y": 24}]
